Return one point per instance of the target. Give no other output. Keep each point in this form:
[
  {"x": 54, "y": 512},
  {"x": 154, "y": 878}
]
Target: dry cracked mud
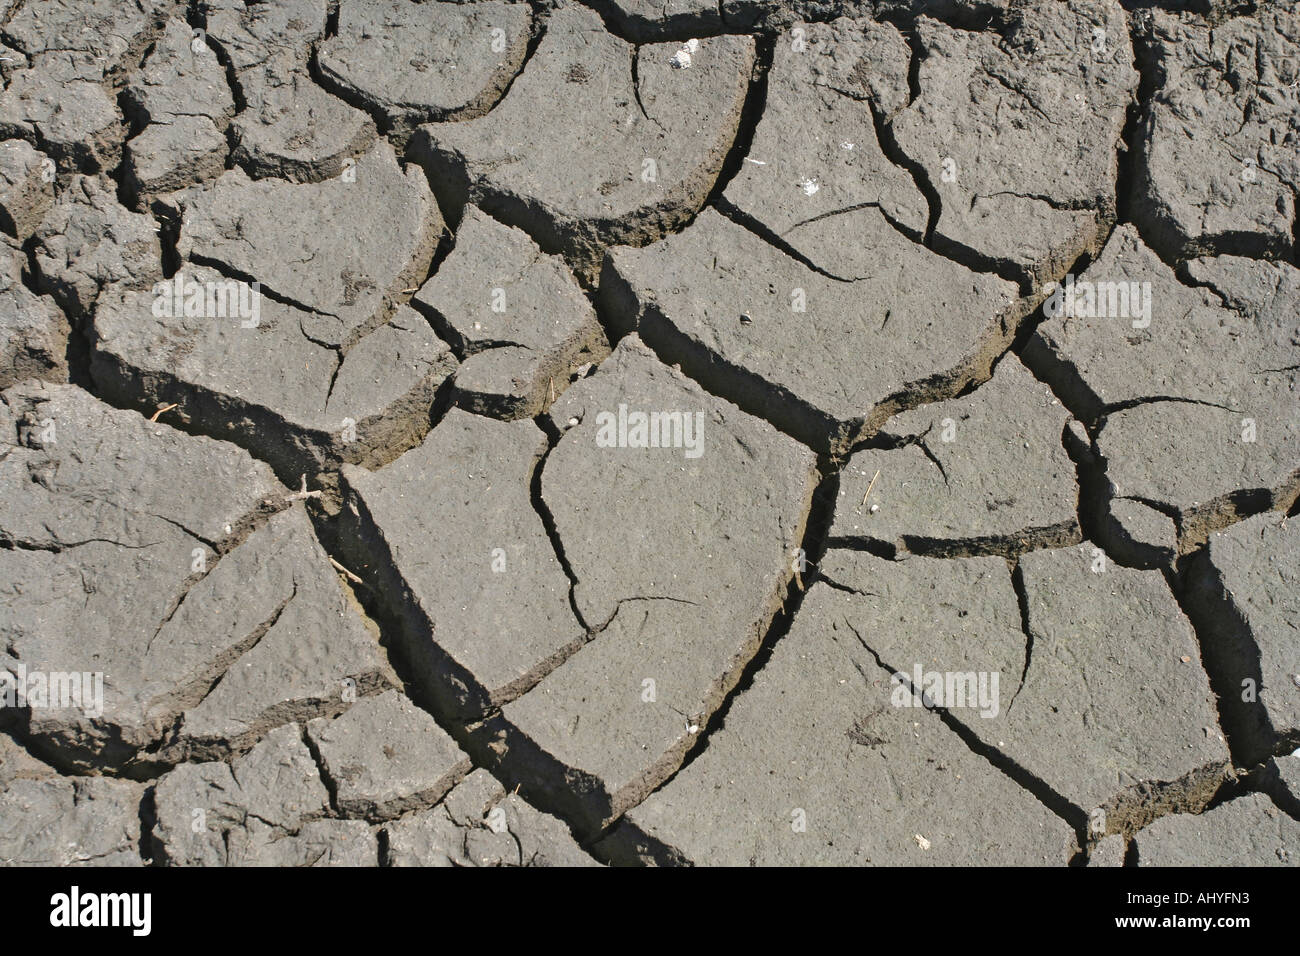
[{"x": 605, "y": 432}]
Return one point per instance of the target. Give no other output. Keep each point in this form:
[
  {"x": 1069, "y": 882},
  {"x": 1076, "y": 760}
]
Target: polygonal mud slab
[
  {"x": 514, "y": 315},
  {"x": 638, "y": 160},
  {"x": 1198, "y": 386},
  {"x": 1115, "y": 709},
  {"x": 181, "y": 99},
  {"x": 26, "y": 187},
  {"x": 825, "y": 360},
  {"x": 815, "y": 766},
  {"x": 179, "y": 77},
  {"x": 1219, "y": 143},
  {"x": 1247, "y": 831},
  {"x": 1247, "y": 584},
  {"x": 88, "y": 241},
  {"x": 816, "y": 180},
  {"x": 242, "y": 366},
  {"x": 1104, "y": 701},
  {"x": 681, "y": 531},
  {"x": 1015, "y": 133},
  {"x": 33, "y": 331},
  {"x": 450, "y": 537},
  {"x": 426, "y": 62},
  {"x": 345, "y": 249},
  {"x": 479, "y": 824},
  {"x": 294, "y": 130},
  {"x": 983, "y": 474},
  {"x": 621, "y": 444},
  {"x": 1137, "y": 534},
  {"x": 70, "y": 821},
  {"x": 169, "y": 156},
  {"x": 287, "y": 125},
  {"x": 234, "y": 625},
  {"x": 266, "y": 808},
  {"x": 384, "y": 757}
]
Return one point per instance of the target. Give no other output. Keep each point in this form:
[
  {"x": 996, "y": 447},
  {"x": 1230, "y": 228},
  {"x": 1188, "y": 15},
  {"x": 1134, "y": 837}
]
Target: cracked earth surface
[{"x": 558, "y": 433}]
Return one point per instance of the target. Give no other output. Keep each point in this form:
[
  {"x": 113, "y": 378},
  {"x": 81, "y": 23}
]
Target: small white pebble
[
  {"x": 922, "y": 842},
  {"x": 874, "y": 508},
  {"x": 809, "y": 186},
  {"x": 682, "y": 58}
]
